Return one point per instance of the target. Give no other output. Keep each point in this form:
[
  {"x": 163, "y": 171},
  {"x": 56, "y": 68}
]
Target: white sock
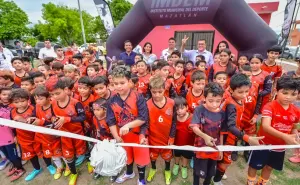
[{"x": 57, "y": 162}]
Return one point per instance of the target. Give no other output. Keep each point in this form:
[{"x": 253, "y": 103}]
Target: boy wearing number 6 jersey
[{"x": 162, "y": 126}]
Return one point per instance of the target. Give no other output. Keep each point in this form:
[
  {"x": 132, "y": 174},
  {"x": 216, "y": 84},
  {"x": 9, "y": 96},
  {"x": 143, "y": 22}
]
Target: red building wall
[{"x": 160, "y": 35}]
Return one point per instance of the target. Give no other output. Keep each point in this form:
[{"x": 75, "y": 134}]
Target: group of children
[{"x": 169, "y": 103}]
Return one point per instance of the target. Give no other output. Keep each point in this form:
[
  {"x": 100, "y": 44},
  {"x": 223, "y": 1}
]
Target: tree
[
  {"x": 13, "y": 21},
  {"x": 119, "y": 8},
  {"x": 64, "y": 23}
]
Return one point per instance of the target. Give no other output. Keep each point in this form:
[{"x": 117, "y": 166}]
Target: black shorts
[
  {"x": 260, "y": 158},
  {"x": 184, "y": 153},
  {"x": 205, "y": 167}
]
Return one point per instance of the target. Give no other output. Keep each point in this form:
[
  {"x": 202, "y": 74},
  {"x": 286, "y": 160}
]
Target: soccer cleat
[
  {"x": 224, "y": 177},
  {"x": 192, "y": 163},
  {"x": 218, "y": 183},
  {"x": 17, "y": 175},
  {"x": 89, "y": 167},
  {"x": 96, "y": 176},
  {"x": 51, "y": 169},
  {"x": 141, "y": 182},
  {"x": 3, "y": 164},
  {"x": 80, "y": 160},
  {"x": 151, "y": 175},
  {"x": 33, "y": 174},
  {"x": 168, "y": 177},
  {"x": 73, "y": 179},
  {"x": 175, "y": 169},
  {"x": 184, "y": 172},
  {"x": 67, "y": 171},
  {"x": 58, "y": 173},
  {"x": 125, "y": 177}
]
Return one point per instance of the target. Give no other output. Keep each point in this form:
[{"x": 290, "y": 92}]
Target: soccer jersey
[
  {"x": 87, "y": 104},
  {"x": 282, "y": 120},
  {"x": 143, "y": 84},
  {"x": 251, "y": 103},
  {"x": 193, "y": 101},
  {"x": 162, "y": 122},
  {"x": 169, "y": 89},
  {"x": 210, "y": 123},
  {"x": 18, "y": 79},
  {"x": 64, "y": 61},
  {"x": 216, "y": 67},
  {"x": 275, "y": 70},
  {"x": 179, "y": 84},
  {"x": 184, "y": 135},
  {"x": 102, "y": 129},
  {"x": 171, "y": 71}
]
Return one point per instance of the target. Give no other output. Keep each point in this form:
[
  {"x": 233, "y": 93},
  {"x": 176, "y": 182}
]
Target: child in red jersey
[
  {"x": 262, "y": 78},
  {"x": 101, "y": 89},
  {"x": 102, "y": 71},
  {"x": 28, "y": 84},
  {"x": 61, "y": 58},
  {"x": 72, "y": 90},
  {"x": 77, "y": 61},
  {"x": 184, "y": 136},
  {"x": 89, "y": 57},
  {"x": 270, "y": 65},
  {"x": 7, "y": 144},
  {"x": 179, "y": 79},
  {"x": 43, "y": 68},
  {"x": 30, "y": 150},
  {"x": 127, "y": 117},
  {"x": 49, "y": 145},
  {"x": 49, "y": 62},
  {"x": 39, "y": 78},
  {"x": 27, "y": 66},
  {"x": 221, "y": 79},
  {"x": 143, "y": 76},
  {"x": 70, "y": 71},
  {"x": 206, "y": 124},
  {"x": 162, "y": 126},
  {"x": 243, "y": 59},
  {"x": 7, "y": 79},
  {"x": 189, "y": 69},
  {"x": 58, "y": 69},
  {"x": 234, "y": 108},
  {"x": 175, "y": 56},
  {"x": 279, "y": 119},
  {"x": 92, "y": 71},
  {"x": 70, "y": 116},
  {"x": 194, "y": 95},
  {"x": 18, "y": 65}
]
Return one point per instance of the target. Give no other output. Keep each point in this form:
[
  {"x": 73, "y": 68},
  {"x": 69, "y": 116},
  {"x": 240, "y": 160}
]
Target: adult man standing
[
  {"x": 47, "y": 51},
  {"x": 192, "y": 54},
  {"x": 166, "y": 52},
  {"x": 5, "y": 58},
  {"x": 128, "y": 55}
]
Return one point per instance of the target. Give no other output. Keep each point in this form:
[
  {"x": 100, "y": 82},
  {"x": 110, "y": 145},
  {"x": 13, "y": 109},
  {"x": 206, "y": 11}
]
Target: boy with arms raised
[
  {"x": 127, "y": 117},
  {"x": 279, "y": 119},
  {"x": 162, "y": 126}
]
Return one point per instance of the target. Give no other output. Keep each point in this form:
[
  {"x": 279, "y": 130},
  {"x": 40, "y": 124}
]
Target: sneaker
[
  {"x": 141, "y": 182},
  {"x": 96, "y": 176},
  {"x": 175, "y": 169},
  {"x": 73, "y": 179},
  {"x": 11, "y": 171},
  {"x": 17, "y": 175},
  {"x": 168, "y": 177},
  {"x": 217, "y": 183},
  {"x": 151, "y": 175},
  {"x": 80, "y": 160},
  {"x": 67, "y": 172},
  {"x": 58, "y": 173},
  {"x": 89, "y": 167},
  {"x": 224, "y": 177},
  {"x": 3, "y": 164},
  {"x": 234, "y": 156},
  {"x": 192, "y": 163},
  {"x": 295, "y": 159},
  {"x": 125, "y": 177},
  {"x": 24, "y": 162},
  {"x": 33, "y": 174},
  {"x": 184, "y": 172},
  {"x": 51, "y": 169}
]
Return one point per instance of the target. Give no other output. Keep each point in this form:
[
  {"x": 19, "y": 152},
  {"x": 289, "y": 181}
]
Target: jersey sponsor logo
[{"x": 292, "y": 118}]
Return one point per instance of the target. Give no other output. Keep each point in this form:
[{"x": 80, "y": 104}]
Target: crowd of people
[{"x": 208, "y": 100}]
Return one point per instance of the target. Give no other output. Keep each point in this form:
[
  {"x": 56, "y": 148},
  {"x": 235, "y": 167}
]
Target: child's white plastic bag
[{"x": 107, "y": 158}]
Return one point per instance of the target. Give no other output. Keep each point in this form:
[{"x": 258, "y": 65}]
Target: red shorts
[
  {"x": 249, "y": 129},
  {"x": 51, "y": 150},
  {"x": 226, "y": 158},
  {"x": 164, "y": 153},
  {"x": 230, "y": 140},
  {"x": 72, "y": 147},
  {"x": 30, "y": 151}
]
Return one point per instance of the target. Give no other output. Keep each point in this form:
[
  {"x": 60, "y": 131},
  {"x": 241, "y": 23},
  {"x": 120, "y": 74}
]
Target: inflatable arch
[{"x": 234, "y": 19}]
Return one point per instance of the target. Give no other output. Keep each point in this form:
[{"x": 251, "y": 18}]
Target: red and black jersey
[
  {"x": 24, "y": 137},
  {"x": 169, "y": 89},
  {"x": 188, "y": 75},
  {"x": 171, "y": 71},
  {"x": 179, "y": 84},
  {"x": 162, "y": 122},
  {"x": 143, "y": 84},
  {"x": 184, "y": 135},
  {"x": 251, "y": 103},
  {"x": 216, "y": 67},
  {"x": 73, "y": 113},
  {"x": 87, "y": 104},
  {"x": 275, "y": 70},
  {"x": 193, "y": 101},
  {"x": 102, "y": 129},
  {"x": 82, "y": 70},
  {"x": 64, "y": 61},
  {"x": 17, "y": 79}
]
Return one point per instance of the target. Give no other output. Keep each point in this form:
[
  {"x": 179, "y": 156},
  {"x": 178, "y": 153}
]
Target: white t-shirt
[
  {"x": 45, "y": 52},
  {"x": 5, "y": 59}
]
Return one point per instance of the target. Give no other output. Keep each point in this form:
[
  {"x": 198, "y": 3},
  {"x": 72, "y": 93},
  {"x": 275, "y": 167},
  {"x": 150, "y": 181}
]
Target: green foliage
[
  {"x": 13, "y": 21},
  {"x": 31, "y": 40},
  {"x": 119, "y": 8}
]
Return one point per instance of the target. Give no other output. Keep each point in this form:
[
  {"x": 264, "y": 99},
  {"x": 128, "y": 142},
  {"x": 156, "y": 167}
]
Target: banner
[
  {"x": 105, "y": 15},
  {"x": 288, "y": 20}
]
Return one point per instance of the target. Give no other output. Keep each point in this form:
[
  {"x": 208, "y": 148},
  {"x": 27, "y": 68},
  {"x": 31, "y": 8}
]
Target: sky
[{"x": 33, "y": 9}]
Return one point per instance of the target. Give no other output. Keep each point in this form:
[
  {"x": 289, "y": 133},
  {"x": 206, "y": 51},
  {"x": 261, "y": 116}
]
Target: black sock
[
  {"x": 207, "y": 180},
  {"x": 196, "y": 179},
  {"x": 141, "y": 171},
  {"x": 72, "y": 167},
  {"x": 17, "y": 164},
  {"x": 168, "y": 164},
  {"x": 153, "y": 165},
  {"x": 129, "y": 169},
  {"x": 218, "y": 176},
  {"x": 35, "y": 163},
  {"x": 47, "y": 161}
]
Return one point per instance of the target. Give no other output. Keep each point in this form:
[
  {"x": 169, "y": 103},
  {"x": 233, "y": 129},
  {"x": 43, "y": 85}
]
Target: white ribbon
[{"x": 222, "y": 148}]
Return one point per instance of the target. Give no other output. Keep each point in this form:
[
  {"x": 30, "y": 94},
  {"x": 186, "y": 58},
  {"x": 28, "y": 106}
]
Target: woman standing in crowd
[{"x": 148, "y": 56}]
